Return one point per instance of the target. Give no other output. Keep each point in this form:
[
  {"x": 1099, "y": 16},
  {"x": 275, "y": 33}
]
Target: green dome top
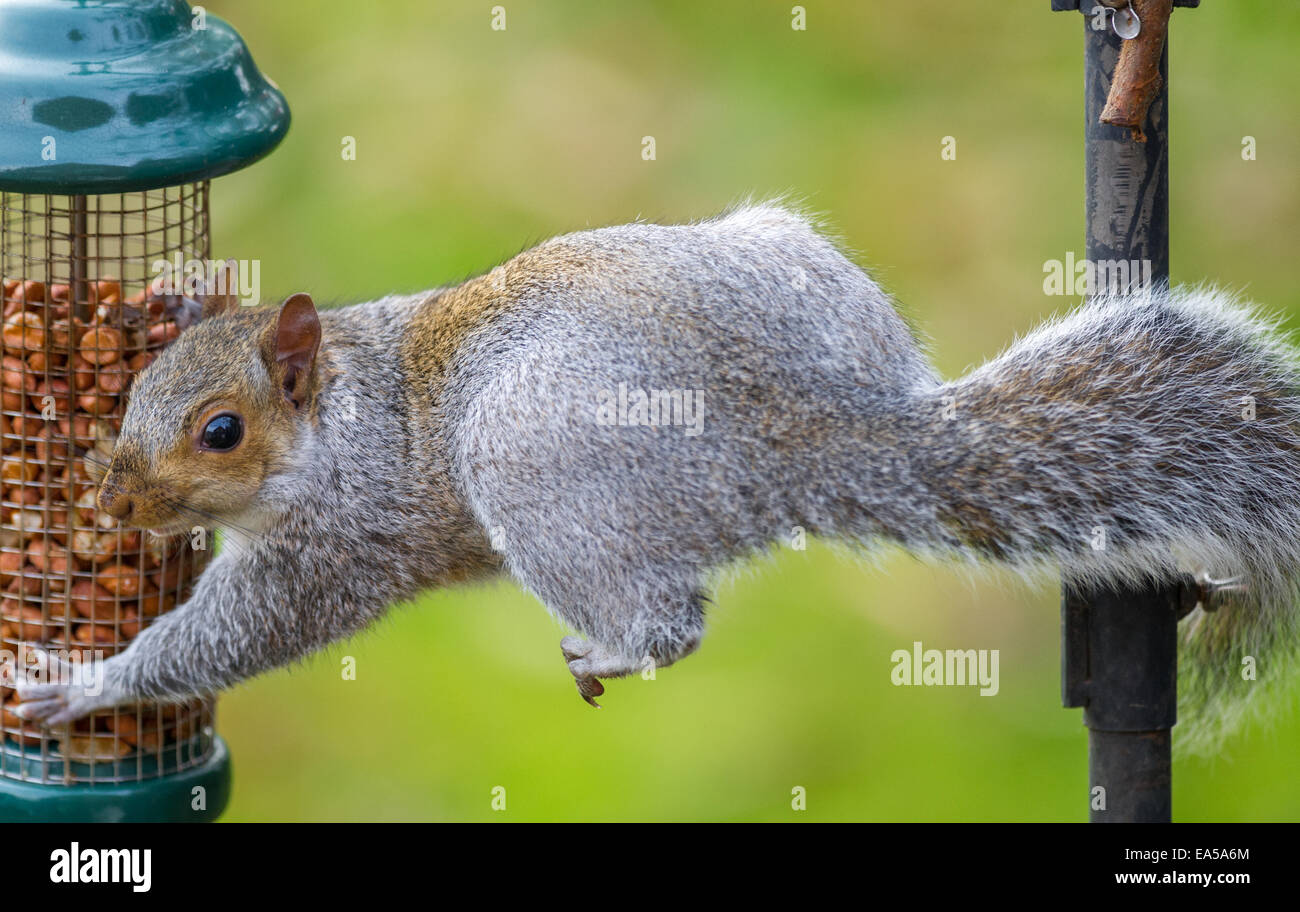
[{"x": 109, "y": 96}]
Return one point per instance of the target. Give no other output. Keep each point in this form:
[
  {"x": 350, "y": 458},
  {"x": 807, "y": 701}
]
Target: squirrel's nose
[{"x": 113, "y": 502}]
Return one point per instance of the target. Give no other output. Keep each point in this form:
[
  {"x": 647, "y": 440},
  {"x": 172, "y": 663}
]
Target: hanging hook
[{"x": 1125, "y": 22}]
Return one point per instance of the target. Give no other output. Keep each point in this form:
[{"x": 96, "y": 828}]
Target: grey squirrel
[{"x": 363, "y": 454}]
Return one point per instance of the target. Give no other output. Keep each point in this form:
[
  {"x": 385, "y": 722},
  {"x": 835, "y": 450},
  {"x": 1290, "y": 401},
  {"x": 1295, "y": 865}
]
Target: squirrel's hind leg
[{"x": 632, "y": 621}]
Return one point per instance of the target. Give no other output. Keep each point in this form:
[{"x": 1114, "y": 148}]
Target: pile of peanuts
[{"x": 71, "y": 578}]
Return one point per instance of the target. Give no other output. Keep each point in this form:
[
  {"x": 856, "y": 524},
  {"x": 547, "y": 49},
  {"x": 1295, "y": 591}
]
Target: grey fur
[{"x": 820, "y": 412}]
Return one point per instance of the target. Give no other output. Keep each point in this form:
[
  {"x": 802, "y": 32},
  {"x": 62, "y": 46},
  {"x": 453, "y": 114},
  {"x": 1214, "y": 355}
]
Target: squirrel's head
[{"x": 214, "y": 417}]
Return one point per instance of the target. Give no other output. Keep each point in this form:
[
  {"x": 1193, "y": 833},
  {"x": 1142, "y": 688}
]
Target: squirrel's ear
[
  {"x": 222, "y": 294},
  {"x": 297, "y": 336}
]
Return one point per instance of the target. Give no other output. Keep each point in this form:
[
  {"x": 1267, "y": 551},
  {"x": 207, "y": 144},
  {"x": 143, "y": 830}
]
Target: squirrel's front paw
[
  {"x": 55, "y": 691},
  {"x": 587, "y": 660}
]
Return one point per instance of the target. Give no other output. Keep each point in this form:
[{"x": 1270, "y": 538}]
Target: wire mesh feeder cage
[
  {"x": 107, "y": 152},
  {"x": 73, "y": 580}
]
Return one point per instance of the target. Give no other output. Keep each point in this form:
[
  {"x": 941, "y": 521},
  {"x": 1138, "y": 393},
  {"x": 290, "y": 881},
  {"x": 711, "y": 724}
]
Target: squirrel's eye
[{"x": 222, "y": 433}]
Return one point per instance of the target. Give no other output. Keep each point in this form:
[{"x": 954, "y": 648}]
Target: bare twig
[{"x": 1137, "y": 75}]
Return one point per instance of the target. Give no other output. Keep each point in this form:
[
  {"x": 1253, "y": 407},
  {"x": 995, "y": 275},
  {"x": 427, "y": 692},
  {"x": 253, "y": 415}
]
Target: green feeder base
[{"x": 165, "y": 799}]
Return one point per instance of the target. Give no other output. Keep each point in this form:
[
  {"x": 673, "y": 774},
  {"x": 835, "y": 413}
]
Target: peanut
[
  {"x": 155, "y": 603},
  {"x": 50, "y": 558},
  {"x": 28, "y": 624},
  {"x": 128, "y": 727},
  {"x": 32, "y": 292},
  {"x": 39, "y": 362},
  {"x": 24, "y": 332},
  {"x": 54, "y": 391},
  {"x": 11, "y": 564},
  {"x": 28, "y": 582},
  {"x": 13, "y": 468},
  {"x": 101, "y": 345},
  {"x": 114, "y": 378},
  {"x": 50, "y": 445},
  {"x": 130, "y": 624},
  {"x": 14, "y": 375},
  {"x": 96, "y": 403},
  {"x": 77, "y": 428},
  {"x": 83, "y": 373},
  {"x": 60, "y": 333},
  {"x": 28, "y": 426},
  {"x": 95, "y": 634},
  {"x": 90, "y": 600},
  {"x": 109, "y": 291},
  {"x": 95, "y": 547},
  {"x": 162, "y": 333},
  {"x": 120, "y": 580},
  {"x": 94, "y": 749}
]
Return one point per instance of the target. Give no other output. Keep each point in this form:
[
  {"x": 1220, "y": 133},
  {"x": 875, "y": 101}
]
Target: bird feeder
[{"x": 114, "y": 117}]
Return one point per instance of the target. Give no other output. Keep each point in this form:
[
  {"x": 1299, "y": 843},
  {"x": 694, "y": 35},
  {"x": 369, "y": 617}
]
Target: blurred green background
[{"x": 474, "y": 143}]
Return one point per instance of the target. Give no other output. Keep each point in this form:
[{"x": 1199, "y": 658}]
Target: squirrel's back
[{"x": 757, "y": 286}]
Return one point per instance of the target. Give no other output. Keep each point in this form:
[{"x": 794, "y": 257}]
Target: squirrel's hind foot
[{"x": 586, "y": 660}]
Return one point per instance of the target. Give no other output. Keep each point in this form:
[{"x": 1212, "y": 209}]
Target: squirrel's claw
[{"x": 590, "y": 688}]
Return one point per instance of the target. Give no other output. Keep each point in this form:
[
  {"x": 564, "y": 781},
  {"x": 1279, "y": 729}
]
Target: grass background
[{"x": 473, "y": 143}]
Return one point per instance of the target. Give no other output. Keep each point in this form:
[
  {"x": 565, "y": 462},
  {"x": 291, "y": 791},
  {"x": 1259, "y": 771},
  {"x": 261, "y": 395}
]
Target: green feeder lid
[{"x": 113, "y": 96}]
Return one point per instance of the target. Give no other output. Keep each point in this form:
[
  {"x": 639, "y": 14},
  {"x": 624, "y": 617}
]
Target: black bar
[{"x": 1019, "y": 860}]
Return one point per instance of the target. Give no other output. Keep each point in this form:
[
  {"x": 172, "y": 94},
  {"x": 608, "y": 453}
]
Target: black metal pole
[
  {"x": 1119, "y": 656},
  {"x": 1120, "y": 665},
  {"x": 79, "y": 279}
]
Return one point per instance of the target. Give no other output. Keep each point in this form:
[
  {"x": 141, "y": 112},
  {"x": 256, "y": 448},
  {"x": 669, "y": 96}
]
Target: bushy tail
[{"x": 1139, "y": 438}]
